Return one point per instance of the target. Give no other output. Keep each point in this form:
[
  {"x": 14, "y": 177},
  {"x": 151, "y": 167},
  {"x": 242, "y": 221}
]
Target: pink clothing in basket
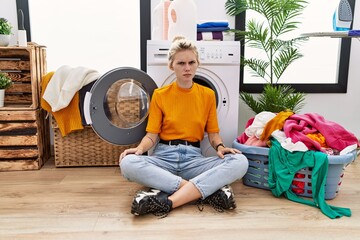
[{"x": 298, "y": 125}]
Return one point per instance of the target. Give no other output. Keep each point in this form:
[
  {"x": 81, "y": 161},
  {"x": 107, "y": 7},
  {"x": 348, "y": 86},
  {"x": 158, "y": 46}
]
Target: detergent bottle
[
  {"x": 182, "y": 16},
  {"x": 166, "y": 19},
  {"x": 157, "y": 21}
]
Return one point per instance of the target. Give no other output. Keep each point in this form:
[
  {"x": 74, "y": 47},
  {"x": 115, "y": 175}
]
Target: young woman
[{"x": 177, "y": 172}]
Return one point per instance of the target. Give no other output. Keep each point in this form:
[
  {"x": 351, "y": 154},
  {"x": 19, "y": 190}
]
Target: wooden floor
[{"x": 94, "y": 203}]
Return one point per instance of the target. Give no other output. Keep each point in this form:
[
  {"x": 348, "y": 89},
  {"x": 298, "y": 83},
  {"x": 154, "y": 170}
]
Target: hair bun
[{"x": 177, "y": 38}]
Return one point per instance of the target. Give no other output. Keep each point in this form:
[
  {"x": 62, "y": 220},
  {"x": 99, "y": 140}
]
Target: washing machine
[{"x": 219, "y": 70}]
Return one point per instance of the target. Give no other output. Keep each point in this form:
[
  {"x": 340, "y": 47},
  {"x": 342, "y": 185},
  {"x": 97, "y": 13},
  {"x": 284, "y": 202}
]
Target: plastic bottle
[
  {"x": 166, "y": 19},
  {"x": 182, "y": 15},
  {"x": 157, "y": 24}
]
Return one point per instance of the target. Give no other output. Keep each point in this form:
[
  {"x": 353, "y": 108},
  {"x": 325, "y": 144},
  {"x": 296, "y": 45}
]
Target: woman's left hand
[
  {"x": 216, "y": 141},
  {"x": 224, "y": 150}
]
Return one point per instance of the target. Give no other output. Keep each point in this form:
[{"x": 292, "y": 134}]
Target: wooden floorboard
[{"x": 94, "y": 203}]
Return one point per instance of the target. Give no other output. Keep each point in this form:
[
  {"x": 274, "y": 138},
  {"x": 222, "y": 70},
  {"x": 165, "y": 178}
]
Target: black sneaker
[
  {"x": 154, "y": 201},
  {"x": 222, "y": 199}
]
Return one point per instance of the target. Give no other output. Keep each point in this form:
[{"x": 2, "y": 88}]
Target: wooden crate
[
  {"x": 24, "y": 139},
  {"x": 84, "y": 148},
  {"x": 24, "y": 131},
  {"x": 25, "y": 66}
]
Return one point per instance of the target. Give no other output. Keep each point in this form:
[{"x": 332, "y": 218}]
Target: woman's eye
[{"x": 184, "y": 63}]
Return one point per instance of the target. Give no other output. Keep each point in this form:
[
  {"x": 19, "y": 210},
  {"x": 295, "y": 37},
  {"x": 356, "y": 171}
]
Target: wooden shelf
[
  {"x": 25, "y": 66},
  {"x": 24, "y": 129}
]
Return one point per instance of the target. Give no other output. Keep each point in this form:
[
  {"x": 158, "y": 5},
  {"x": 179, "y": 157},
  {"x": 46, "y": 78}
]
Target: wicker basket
[
  {"x": 258, "y": 172},
  {"x": 84, "y": 148}
]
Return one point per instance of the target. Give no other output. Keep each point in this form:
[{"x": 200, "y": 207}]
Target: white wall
[
  {"x": 106, "y": 34},
  {"x": 102, "y": 35},
  {"x": 8, "y": 11}
]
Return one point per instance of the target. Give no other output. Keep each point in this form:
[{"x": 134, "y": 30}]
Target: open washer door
[{"x": 117, "y": 105}]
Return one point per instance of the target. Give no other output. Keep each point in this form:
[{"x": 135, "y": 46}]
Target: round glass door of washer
[
  {"x": 117, "y": 105},
  {"x": 126, "y": 103}
]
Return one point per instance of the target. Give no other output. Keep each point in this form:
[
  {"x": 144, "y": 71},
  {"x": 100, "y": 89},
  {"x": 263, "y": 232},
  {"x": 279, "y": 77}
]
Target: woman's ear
[{"x": 171, "y": 67}]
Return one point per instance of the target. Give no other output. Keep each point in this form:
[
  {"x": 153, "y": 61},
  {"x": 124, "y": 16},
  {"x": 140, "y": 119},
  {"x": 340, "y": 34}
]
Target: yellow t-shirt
[{"x": 177, "y": 113}]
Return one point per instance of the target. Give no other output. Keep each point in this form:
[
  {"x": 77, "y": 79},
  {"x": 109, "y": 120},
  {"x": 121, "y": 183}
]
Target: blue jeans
[{"x": 168, "y": 165}]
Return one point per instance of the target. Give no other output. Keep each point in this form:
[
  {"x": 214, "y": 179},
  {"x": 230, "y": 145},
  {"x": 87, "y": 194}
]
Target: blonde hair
[{"x": 180, "y": 44}]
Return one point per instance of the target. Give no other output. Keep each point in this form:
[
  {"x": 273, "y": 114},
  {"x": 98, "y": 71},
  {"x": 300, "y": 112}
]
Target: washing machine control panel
[{"x": 218, "y": 54}]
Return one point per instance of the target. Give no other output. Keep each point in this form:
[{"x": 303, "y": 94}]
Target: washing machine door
[{"x": 117, "y": 105}]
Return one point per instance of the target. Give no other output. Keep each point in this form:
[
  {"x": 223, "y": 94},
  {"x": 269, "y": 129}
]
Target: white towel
[
  {"x": 287, "y": 144},
  {"x": 260, "y": 120},
  {"x": 64, "y": 84}
]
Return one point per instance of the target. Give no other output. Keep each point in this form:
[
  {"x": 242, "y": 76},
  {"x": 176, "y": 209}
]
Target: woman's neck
[{"x": 187, "y": 85}]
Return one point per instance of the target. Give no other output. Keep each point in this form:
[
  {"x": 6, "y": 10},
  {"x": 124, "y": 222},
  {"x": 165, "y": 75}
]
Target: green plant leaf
[
  {"x": 5, "y": 27},
  {"x": 275, "y": 98},
  {"x": 284, "y": 59},
  {"x": 266, "y": 33},
  {"x": 257, "y": 66}
]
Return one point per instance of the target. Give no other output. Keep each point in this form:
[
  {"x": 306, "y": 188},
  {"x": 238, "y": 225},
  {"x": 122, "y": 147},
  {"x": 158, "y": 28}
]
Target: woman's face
[{"x": 184, "y": 66}]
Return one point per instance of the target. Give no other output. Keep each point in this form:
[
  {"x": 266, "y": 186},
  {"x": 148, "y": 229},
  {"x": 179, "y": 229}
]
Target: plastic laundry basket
[{"x": 258, "y": 172}]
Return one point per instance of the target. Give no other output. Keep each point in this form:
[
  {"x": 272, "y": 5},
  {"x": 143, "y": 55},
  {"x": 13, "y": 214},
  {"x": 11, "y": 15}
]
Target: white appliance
[{"x": 219, "y": 69}]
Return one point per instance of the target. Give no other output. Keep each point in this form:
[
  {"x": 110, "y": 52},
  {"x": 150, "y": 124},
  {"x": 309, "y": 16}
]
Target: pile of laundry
[
  {"x": 298, "y": 132},
  {"x": 299, "y": 141}
]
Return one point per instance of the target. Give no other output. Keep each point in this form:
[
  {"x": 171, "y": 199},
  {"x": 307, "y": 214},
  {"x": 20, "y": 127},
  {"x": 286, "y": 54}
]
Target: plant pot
[
  {"x": 2, "y": 97},
  {"x": 4, "y": 40}
]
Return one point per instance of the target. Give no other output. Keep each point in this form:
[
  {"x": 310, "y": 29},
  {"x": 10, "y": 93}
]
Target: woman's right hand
[
  {"x": 137, "y": 151},
  {"x": 146, "y": 143}
]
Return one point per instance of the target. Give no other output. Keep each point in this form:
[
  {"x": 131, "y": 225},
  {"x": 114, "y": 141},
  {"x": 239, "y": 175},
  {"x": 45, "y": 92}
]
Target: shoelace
[
  {"x": 211, "y": 202},
  {"x": 217, "y": 202},
  {"x": 158, "y": 208}
]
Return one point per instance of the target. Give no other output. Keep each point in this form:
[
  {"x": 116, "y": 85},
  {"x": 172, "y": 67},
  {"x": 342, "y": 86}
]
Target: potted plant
[
  {"x": 5, "y": 32},
  {"x": 5, "y": 82},
  {"x": 266, "y": 33}
]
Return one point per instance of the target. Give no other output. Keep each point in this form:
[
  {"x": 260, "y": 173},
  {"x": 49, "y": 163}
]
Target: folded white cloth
[
  {"x": 229, "y": 36},
  {"x": 64, "y": 84}
]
